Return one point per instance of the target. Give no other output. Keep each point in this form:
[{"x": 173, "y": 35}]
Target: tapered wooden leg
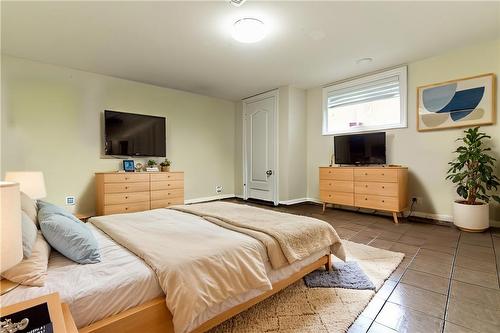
[
  {"x": 324, "y": 207},
  {"x": 395, "y": 217},
  {"x": 328, "y": 265}
]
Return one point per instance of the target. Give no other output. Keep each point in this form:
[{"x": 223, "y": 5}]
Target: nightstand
[{"x": 60, "y": 316}]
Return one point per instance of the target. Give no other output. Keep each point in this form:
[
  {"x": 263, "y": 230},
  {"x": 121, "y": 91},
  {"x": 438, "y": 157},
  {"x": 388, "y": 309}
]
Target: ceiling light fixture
[
  {"x": 363, "y": 61},
  {"x": 249, "y": 30},
  {"x": 237, "y": 3}
]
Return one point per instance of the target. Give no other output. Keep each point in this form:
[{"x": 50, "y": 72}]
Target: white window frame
[{"x": 401, "y": 72}]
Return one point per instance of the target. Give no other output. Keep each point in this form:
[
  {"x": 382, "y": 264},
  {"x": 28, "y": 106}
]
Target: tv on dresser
[{"x": 360, "y": 149}]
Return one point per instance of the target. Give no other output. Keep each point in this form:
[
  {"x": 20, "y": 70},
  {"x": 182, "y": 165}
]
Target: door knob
[{"x": 269, "y": 172}]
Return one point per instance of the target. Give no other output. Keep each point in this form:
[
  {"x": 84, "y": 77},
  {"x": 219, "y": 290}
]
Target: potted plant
[
  {"x": 165, "y": 165},
  {"x": 473, "y": 173},
  {"x": 152, "y": 164}
]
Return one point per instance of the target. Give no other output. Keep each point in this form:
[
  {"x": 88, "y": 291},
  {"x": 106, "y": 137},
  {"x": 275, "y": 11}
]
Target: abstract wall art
[{"x": 458, "y": 103}]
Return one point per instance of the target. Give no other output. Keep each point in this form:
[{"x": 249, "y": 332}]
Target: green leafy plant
[
  {"x": 473, "y": 169},
  {"x": 151, "y": 163},
  {"x": 165, "y": 163}
]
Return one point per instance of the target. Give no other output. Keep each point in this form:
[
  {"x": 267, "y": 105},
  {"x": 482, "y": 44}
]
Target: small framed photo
[{"x": 128, "y": 165}]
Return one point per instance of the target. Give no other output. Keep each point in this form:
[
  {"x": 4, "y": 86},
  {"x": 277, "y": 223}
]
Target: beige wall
[
  {"x": 51, "y": 121},
  {"x": 426, "y": 154}
]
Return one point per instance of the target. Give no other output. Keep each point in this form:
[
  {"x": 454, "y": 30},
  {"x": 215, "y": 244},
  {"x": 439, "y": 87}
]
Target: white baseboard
[
  {"x": 204, "y": 199},
  {"x": 293, "y": 201}
]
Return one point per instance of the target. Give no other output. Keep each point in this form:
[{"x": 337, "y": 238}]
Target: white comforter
[{"x": 198, "y": 264}]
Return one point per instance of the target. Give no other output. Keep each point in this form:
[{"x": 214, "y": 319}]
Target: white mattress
[
  {"x": 96, "y": 291},
  {"x": 119, "y": 282}
]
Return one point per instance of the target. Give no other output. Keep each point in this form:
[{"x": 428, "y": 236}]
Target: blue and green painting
[{"x": 446, "y": 101}]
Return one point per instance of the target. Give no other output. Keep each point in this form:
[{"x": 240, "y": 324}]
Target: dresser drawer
[
  {"x": 341, "y": 198},
  {"x": 123, "y": 198},
  {"x": 126, "y": 177},
  {"x": 126, "y": 187},
  {"x": 167, "y": 194},
  {"x": 126, "y": 208},
  {"x": 167, "y": 176},
  {"x": 376, "y": 175},
  {"x": 336, "y": 185},
  {"x": 336, "y": 173},
  {"x": 167, "y": 185},
  {"x": 166, "y": 202},
  {"x": 376, "y": 202},
  {"x": 384, "y": 189}
]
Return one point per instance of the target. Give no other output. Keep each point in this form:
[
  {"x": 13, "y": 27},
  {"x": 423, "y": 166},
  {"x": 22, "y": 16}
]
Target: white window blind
[{"x": 373, "y": 102}]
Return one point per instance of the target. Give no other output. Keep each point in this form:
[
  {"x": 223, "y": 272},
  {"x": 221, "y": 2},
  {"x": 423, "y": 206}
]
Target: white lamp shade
[
  {"x": 32, "y": 182},
  {"x": 10, "y": 226}
]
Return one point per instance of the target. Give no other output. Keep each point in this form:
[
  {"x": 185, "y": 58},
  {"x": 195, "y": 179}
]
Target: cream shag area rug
[{"x": 298, "y": 309}]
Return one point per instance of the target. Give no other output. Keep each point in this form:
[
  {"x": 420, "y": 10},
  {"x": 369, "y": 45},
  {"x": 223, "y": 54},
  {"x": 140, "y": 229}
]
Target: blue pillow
[
  {"x": 47, "y": 209},
  {"x": 67, "y": 234}
]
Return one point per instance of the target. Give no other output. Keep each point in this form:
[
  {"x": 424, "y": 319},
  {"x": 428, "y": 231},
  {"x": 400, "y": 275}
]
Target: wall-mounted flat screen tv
[
  {"x": 360, "y": 148},
  {"x": 129, "y": 134}
]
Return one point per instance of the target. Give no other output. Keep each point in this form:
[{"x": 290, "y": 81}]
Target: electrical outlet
[
  {"x": 417, "y": 200},
  {"x": 219, "y": 189},
  {"x": 70, "y": 200}
]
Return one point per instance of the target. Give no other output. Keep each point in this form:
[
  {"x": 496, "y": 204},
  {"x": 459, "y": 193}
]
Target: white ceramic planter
[{"x": 473, "y": 218}]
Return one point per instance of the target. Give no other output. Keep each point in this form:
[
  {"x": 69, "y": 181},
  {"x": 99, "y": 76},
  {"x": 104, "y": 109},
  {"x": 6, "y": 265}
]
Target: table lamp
[
  {"x": 10, "y": 225},
  {"x": 32, "y": 182},
  {"x": 12, "y": 243}
]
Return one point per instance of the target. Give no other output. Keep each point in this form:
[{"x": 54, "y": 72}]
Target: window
[{"x": 374, "y": 102}]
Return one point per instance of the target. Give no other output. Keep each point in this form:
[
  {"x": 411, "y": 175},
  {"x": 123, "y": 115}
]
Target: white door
[{"x": 260, "y": 147}]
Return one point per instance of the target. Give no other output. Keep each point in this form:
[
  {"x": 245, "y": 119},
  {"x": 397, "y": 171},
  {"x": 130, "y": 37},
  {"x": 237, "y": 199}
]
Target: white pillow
[{"x": 32, "y": 271}]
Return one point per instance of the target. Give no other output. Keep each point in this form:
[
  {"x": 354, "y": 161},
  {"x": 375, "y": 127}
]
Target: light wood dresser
[
  {"x": 379, "y": 188},
  {"x": 125, "y": 192}
]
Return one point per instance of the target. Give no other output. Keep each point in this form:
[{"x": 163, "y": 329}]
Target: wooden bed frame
[{"x": 154, "y": 316}]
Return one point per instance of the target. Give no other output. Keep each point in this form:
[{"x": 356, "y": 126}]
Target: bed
[{"x": 123, "y": 293}]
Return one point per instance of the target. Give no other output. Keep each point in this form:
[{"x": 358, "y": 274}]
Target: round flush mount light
[
  {"x": 363, "y": 61},
  {"x": 249, "y": 30}
]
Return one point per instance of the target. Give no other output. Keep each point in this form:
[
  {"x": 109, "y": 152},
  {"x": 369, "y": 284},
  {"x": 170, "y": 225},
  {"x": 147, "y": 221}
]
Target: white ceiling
[{"x": 188, "y": 45}]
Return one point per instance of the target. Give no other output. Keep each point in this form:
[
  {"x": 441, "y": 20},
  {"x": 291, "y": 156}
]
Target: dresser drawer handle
[
  {"x": 366, "y": 198},
  {"x": 329, "y": 171},
  {"x": 382, "y": 174},
  {"x": 126, "y": 178},
  {"x": 366, "y": 173},
  {"x": 383, "y": 200},
  {"x": 330, "y": 184},
  {"x": 366, "y": 186},
  {"x": 383, "y": 186},
  {"x": 126, "y": 197},
  {"x": 329, "y": 195},
  {"x": 126, "y": 208},
  {"x": 126, "y": 187}
]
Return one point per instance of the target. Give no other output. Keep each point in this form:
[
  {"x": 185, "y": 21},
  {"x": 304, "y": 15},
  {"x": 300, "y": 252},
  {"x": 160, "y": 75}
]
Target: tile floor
[{"x": 448, "y": 281}]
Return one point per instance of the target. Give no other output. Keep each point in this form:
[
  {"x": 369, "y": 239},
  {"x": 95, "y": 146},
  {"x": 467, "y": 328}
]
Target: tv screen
[
  {"x": 129, "y": 134},
  {"x": 360, "y": 148}
]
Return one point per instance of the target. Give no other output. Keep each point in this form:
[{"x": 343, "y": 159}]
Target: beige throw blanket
[
  {"x": 198, "y": 264},
  {"x": 293, "y": 237}
]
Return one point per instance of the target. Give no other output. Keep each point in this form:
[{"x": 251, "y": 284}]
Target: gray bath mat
[{"x": 346, "y": 275}]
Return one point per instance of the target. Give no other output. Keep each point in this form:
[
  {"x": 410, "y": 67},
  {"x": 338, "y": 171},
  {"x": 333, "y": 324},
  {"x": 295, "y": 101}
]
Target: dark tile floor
[{"x": 448, "y": 281}]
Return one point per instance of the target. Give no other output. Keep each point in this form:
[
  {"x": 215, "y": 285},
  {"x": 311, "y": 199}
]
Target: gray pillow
[
  {"x": 68, "y": 235},
  {"x": 29, "y": 232},
  {"x": 28, "y": 206}
]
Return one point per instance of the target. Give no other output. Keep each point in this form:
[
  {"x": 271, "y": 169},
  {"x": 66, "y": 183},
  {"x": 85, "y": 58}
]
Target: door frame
[{"x": 272, "y": 93}]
